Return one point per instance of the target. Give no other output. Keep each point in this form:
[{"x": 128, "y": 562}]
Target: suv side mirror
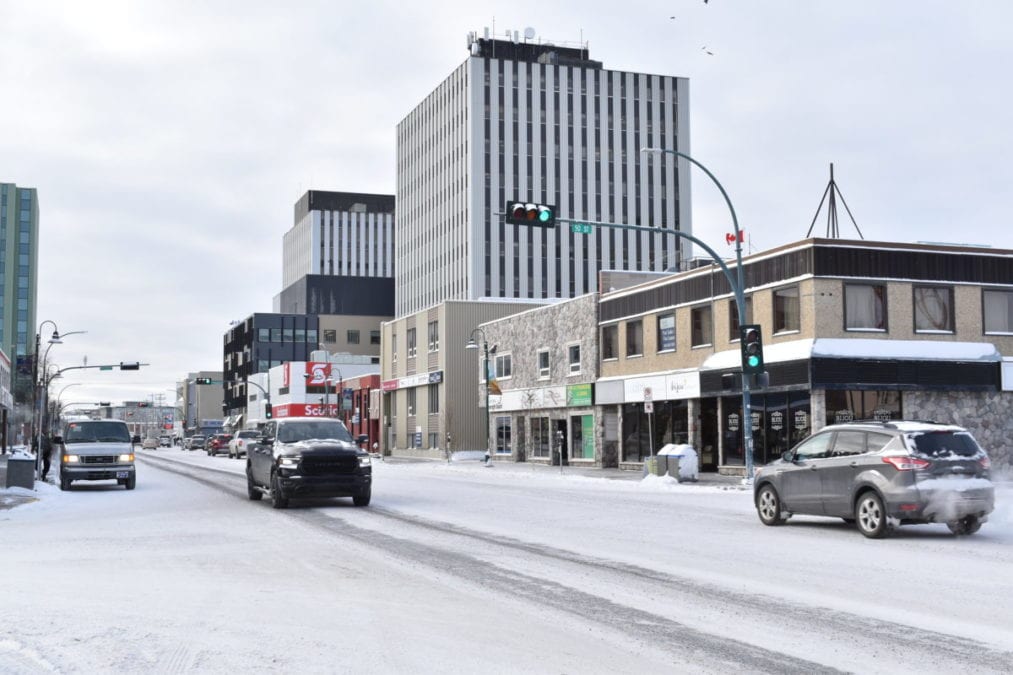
[
  {"x": 136, "y": 438},
  {"x": 786, "y": 456}
]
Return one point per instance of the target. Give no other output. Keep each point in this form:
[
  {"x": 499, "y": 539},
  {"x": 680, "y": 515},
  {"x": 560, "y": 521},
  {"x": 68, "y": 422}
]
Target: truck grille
[
  {"x": 98, "y": 459},
  {"x": 323, "y": 466}
]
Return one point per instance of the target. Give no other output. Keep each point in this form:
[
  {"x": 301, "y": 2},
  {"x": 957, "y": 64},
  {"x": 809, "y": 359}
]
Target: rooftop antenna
[{"x": 832, "y": 230}]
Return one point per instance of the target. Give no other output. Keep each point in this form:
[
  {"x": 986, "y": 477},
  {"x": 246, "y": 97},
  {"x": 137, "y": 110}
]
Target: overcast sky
[{"x": 169, "y": 140}]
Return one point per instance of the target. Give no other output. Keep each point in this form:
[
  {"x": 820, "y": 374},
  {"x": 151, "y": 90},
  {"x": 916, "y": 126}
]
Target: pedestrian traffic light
[
  {"x": 268, "y": 411},
  {"x": 203, "y": 380},
  {"x": 751, "y": 343},
  {"x": 526, "y": 213}
]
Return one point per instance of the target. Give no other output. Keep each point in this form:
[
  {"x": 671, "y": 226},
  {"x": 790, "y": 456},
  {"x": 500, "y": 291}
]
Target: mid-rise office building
[
  {"x": 545, "y": 123},
  {"x": 19, "y": 254},
  {"x": 343, "y": 234}
]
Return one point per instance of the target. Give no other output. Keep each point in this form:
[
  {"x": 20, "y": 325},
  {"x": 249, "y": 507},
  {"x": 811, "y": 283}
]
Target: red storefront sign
[
  {"x": 305, "y": 410},
  {"x": 388, "y": 385},
  {"x": 317, "y": 373}
]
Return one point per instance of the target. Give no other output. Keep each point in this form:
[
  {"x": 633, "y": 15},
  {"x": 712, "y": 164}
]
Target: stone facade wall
[{"x": 987, "y": 415}]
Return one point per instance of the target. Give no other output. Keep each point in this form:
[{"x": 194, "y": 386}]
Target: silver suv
[
  {"x": 879, "y": 475},
  {"x": 97, "y": 450}
]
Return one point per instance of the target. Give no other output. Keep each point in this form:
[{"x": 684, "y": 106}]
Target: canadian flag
[{"x": 730, "y": 237}]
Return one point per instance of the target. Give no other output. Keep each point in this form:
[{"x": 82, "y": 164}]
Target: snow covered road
[{"x": 463, "y": 568}]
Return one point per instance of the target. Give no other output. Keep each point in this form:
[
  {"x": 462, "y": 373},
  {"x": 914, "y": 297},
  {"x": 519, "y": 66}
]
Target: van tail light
[
  {"x": 985, "y": 462},
  {"x": 907, "y": 463}
]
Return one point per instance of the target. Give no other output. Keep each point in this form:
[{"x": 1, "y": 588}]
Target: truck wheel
[
  {"x": 64, "y": 483},
  {"x": 278, "y": 498},
  {"x": 131, "y": 482},
  {"x": 252, "y": 491},
  {"x": 362, "y": 499}
]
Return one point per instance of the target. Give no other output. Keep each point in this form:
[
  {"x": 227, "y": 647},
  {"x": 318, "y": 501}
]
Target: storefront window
[
  {"x": 851, "y": 405},
  {"x": 582, "y": 437},
  {"x": 636, "y": 443},
  {"x": 671, "y": 423},
  {"x": 731, "y": 430},
  {"x": 503, "y": 436},
  {"x": 540, "y": 437}
]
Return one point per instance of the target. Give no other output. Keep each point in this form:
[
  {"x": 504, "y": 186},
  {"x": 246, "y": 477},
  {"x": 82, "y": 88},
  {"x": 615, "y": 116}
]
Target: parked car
[
  {"x": 307, "y": 457},
  {"x": 881, "y": 474},
  {"x": 218, "y": 443},
  {"x": 237, "y": 446},
  {"x": 165, "y": 441},
  {"x": 149, "y": 443},
  {"x": 195, "y": 442},
  {"x": 97, "y": 450}
]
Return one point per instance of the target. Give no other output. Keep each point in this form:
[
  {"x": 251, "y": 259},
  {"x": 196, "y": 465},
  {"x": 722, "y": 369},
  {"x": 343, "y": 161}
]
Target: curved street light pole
[
  {"x": 739, "y": 289},
  {"x": 485, "y": 374}
]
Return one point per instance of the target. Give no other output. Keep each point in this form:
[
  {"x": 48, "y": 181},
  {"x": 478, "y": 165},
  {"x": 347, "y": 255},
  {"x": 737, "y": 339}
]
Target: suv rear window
[{"x": 945, "y": 444}]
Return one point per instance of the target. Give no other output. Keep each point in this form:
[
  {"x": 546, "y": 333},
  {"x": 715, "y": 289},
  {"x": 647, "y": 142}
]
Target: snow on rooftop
[{"x": 861, "y": 348}]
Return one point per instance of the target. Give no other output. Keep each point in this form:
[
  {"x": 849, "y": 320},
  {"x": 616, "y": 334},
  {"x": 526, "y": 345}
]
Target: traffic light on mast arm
[
  {"x": 751, "y": 343},
  {"x": 203, "y": 380},
  {"x": 527, "y": 213},
  {"x": 268, "y": 411}
]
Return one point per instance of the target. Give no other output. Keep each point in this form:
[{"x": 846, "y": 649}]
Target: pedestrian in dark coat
[{"x": 47, "y": 454}]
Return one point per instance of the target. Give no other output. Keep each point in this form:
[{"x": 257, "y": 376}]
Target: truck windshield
[
  {"x": 318, "y": 430},
  {"x": 97, "y": 432}
]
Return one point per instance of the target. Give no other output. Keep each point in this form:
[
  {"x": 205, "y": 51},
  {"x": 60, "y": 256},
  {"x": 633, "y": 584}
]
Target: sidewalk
[{"x": 475, "y": 458}]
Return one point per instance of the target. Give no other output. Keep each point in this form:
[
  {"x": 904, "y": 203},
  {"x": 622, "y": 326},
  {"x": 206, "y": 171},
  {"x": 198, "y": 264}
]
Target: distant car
[
  {"x": 237, "y": 446},
  {"x": 218, "y": 443},
  {"x": 195, "y": 442},
  {"x": 881, "y": 474},
  {"x": 149, "y": 443},
  {"x": 165, "y": 441}
]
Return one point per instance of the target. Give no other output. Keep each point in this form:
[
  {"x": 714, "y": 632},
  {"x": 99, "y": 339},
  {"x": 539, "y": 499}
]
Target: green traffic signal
[{"x": 751, "y": 343}]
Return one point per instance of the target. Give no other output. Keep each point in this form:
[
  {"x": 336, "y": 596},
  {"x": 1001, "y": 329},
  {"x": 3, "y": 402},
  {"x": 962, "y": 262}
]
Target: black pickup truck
[{"x": 307, "y": 457}]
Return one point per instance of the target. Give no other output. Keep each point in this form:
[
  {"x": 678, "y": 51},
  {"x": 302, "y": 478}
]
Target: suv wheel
[
  {"x": 64, "y": 483},
  {"x": 362, "y": 499},
  {"x": 131, "y": 482},
  {"x": 870, "y": 515},
  {"x": 278, "y": 498},
  {"x": 768, "y": 506},
  {"x": 964, "y": 526},
  {"x": 252, "y": 491}
]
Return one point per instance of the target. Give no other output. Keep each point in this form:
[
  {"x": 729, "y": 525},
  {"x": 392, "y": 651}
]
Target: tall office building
[
  {"x": 543, "y": 123},
  {"x": 19, "y": 255}
]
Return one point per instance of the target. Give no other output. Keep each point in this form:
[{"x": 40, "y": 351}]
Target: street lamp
[
  {"x": 485, "y": 373},
  {"x": 739, "y": 289}
]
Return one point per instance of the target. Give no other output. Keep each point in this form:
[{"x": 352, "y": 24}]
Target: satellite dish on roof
[{"x": 529, "y": 33}]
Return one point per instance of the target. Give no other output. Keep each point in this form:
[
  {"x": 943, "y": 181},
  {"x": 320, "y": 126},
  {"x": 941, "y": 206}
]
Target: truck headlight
[
  {"x": 289, "y": 462},
  {"x": 364, "y": 460},
  {"x": 71, "y": 459},
  {"x": 129, "y": 457}
]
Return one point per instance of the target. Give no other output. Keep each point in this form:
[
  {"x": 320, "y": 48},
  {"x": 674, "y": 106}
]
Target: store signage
[
  {"x": 305, "y": 410},
  {"x": 755, "y": 419},
  {"x": 317, "y": 373},
  {"x": 412, "y": 381},
  {"x": 733, "y": 422},
  {"x": 579, "y": 394},
  {"x": 843, "y": 416},
  {"x": 801, "y": 419},
  {"x": 777, "y": 420},
  {"x": 881, "y": 415}
]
